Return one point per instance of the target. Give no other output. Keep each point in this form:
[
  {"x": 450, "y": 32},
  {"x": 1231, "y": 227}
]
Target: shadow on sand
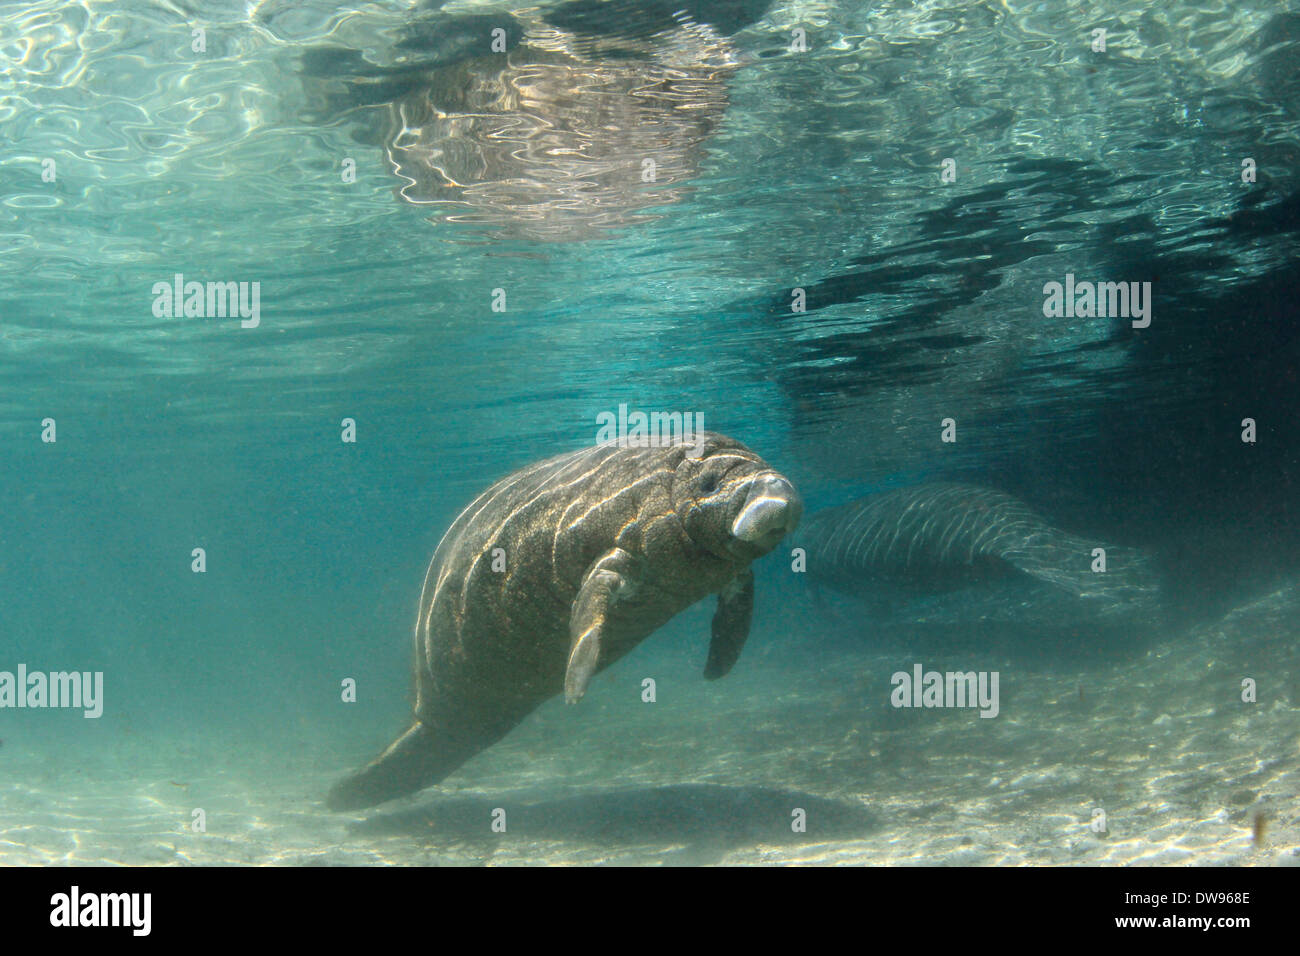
[{"x": 707, "y": 818}]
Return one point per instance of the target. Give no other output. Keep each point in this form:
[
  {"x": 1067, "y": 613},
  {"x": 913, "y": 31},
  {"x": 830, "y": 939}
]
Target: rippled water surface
[{"x": 826, "y": 226}]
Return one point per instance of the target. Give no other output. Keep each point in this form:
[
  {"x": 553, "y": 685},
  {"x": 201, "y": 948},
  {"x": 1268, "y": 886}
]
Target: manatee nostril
[
  {"x": 771, "y": 510},
  {"x": 794, "y": 511}
]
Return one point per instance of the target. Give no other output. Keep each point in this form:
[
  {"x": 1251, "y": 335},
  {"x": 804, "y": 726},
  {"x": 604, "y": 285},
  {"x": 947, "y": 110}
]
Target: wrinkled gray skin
[
  {"x": 934, "y": 537},
  {"x": 602, "y": 546}
]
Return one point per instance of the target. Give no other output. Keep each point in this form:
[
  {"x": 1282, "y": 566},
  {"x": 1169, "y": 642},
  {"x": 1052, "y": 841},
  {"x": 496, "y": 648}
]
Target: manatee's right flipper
[
  {"x": 730, "y": 625},
  {"x": 609, "y": 577},
  {"x": 412, "y": 762}
]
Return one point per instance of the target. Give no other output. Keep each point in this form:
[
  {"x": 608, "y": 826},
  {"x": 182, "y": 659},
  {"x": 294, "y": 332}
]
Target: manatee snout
[{"x": 772, "y": 510}]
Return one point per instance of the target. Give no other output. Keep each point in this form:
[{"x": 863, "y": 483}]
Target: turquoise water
[{"x": 128, "y": 156}]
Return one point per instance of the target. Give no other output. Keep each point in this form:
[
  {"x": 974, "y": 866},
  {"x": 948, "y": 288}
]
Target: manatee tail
[
  {"x": 1129, "y": 582},
  {"x": 412, "y": 762}
]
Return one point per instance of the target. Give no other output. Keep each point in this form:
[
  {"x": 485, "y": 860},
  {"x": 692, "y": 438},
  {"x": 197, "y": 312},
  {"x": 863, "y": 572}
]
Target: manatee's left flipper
[
  {"x": 608, "y": 579},
  {"x": 730, "y": 624}
]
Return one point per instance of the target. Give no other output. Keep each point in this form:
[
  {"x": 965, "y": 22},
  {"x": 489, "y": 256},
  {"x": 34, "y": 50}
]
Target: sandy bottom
[{"x": 1160, "y": 740}]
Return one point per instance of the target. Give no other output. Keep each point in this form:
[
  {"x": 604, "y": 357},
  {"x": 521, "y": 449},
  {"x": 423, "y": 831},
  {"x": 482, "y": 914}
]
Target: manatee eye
[{"x": 709, "y": 484}]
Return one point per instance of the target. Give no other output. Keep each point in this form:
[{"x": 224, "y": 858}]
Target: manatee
[
  {"x": 559, "y": 122},
  {"x": 601, "y": 547},
  {"x": 935, "y": 537}
]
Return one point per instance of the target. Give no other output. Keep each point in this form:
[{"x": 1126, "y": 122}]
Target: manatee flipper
[
  {"x": 412, "y": 762},
  {"x": 607, "y": 579},
  {"x": 730, "y": 624}
]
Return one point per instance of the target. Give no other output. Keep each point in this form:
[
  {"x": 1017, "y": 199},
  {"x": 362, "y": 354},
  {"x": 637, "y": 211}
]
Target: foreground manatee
[
  {"x": 602, "y": 546},
  {"x": 935, "y": 537}
]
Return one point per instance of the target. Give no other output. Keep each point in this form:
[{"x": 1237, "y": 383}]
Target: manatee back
[{"x": 935, "y": 534}]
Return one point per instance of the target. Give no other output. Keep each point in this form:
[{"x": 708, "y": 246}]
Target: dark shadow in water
[
  {"x": 1023, "y": 622},
  {"x": 1064, "y": 646},
  {"x": 709, "y": 818}
]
